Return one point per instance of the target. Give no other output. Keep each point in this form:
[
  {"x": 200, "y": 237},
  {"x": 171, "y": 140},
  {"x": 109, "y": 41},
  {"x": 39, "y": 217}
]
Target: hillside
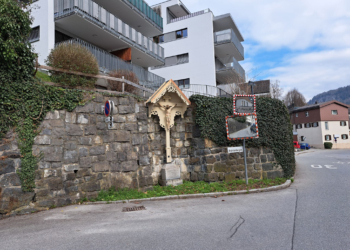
[{"x": 341, "y": 94}]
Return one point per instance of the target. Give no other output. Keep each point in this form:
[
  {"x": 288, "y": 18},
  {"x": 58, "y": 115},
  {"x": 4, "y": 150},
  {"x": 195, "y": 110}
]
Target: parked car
[
  {"x": 305, "y": 146},
  {"x": 296, "y": 144}
]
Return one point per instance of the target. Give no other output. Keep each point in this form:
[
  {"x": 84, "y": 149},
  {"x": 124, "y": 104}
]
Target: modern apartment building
[
  {"x": 322, "y": 122},
  {"x": 119, "y": 33},
  {"x": 201, "y": 50}
]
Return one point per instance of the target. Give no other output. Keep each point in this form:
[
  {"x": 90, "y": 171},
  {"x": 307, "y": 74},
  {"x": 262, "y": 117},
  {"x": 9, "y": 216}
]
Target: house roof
[
  {"x": 162, "y": 90},
  {"x": 318, "y": 106},
  {"x": 260, "y": 87}
]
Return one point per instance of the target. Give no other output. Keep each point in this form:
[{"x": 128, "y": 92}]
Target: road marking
[
  {"x": 330, "y": 167},
  {"x": 339, "y": 162},
  {"x": 319, "y": 166}
]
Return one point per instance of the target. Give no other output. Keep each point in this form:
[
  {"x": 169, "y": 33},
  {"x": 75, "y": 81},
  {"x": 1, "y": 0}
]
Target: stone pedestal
[{"x": 171, "y": 175}]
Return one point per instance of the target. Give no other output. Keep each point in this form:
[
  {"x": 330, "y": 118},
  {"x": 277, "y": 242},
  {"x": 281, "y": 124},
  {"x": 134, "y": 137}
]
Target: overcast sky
[{"x": 302, "y": 43}]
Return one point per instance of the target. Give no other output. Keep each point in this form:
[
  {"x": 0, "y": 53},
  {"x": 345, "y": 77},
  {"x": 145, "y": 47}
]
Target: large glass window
[
  {"x": 181, "y": 33},
  {"x": 184, "y": 83},
  {"x": 34, "y": 35},
  {"x": 334, "y": 112}
]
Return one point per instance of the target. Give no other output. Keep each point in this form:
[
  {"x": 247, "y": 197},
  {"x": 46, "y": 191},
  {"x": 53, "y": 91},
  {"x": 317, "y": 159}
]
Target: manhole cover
[{"x": 131, "y": 209}]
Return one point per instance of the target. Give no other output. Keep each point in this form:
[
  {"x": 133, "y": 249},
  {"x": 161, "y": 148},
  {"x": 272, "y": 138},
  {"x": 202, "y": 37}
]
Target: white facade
[
  {"x": 106, "y": 28},
  {"x": 200, "y": 45}
]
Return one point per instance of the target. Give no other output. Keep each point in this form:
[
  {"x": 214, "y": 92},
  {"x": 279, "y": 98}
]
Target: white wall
[
  {"x": 199, "y": 45},
  {"x": 313, "y": 136},
  {"x": 336, "y": 129},
  {"x": 43, "y": 14}
]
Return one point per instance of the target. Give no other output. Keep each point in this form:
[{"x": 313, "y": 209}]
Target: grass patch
[
  {"x": 43, "y": 76},
  {"x": 187, "y": 188}
]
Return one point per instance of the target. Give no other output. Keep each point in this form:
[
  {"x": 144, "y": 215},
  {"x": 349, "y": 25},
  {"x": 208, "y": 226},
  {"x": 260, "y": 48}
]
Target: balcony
[
  {"x": 108, "y": 62},
  {"x": 227, "y": 44},
  {"x": 137, "y": 13},
  {"x": 92, "y": 23},
  {"x": 190, "y": 15},
  {"x": 229, "y": 71}
]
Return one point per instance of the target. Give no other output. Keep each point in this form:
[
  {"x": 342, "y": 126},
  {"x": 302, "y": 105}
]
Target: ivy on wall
[{"x": 275, "y": 129}]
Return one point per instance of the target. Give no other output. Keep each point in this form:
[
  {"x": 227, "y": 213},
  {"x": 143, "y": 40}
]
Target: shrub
[
  {"x": 73, "y": 57},
  {"x": 128, "y": 75},
  {"x": 328, "y": 145}
]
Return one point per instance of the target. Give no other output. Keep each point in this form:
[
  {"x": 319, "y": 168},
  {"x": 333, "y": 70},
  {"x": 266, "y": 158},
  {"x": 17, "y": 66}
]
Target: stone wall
[{"x": 82, "y": 156}]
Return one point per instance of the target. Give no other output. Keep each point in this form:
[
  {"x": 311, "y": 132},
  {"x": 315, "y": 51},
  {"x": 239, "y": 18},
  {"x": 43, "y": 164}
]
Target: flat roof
[{"x": 224, "y": 22}]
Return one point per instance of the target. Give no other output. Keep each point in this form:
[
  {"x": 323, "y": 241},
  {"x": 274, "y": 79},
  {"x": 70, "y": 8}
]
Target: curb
[{"x": 192, "y": 196}]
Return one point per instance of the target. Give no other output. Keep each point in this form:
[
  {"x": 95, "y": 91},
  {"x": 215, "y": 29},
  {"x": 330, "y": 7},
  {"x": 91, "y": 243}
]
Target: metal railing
[
  {"x": 147, "y": 12},
  {"x": 109, "y": 62},
  {"x": 228, "y": 36},
  {"x": 205, "y": 90},
  {"x": 107, "y": 21},
  {"x": 190, "y": 15},
  {"x": 232, "y": 65}
]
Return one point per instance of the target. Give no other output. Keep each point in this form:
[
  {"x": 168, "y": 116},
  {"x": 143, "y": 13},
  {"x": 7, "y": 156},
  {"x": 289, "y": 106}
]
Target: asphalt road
[{"x": 314, "y": 213}]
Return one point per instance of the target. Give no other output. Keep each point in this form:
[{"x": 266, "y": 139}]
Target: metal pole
[{"x": 245, "y": 162}]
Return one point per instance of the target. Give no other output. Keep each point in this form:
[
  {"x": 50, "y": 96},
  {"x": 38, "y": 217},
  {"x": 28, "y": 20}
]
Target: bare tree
[
  {"x": 294, "y": 98},
  {"x": 276, "y": 90}
]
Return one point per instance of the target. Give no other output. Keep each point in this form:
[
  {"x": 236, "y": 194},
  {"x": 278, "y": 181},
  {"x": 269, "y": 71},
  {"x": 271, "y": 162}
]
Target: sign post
[{"x": 243, "y": 124}]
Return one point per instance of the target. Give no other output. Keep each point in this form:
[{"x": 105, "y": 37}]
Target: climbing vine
[{"x": 275, "y": 129}]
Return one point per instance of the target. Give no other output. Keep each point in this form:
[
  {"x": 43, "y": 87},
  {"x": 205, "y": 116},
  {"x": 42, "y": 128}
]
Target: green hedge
[
  {"x": 275, "y": 129},
  {"x": 328, "y": 145}
]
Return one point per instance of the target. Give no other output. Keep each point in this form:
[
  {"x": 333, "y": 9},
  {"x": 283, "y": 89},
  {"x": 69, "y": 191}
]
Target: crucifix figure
[{"x": 167, "y": 109}]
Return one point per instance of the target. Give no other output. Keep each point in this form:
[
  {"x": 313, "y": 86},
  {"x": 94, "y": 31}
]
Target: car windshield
[{"x": 302, "y": 144}]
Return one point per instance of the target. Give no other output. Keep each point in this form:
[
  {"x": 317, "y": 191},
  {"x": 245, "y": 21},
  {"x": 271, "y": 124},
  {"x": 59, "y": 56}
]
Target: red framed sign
[
  {"x": 244, "y": 105},
  {"x": 239, "y": 127}
]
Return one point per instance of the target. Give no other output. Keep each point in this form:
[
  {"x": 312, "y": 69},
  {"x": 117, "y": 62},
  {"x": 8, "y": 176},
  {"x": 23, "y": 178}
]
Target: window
[
  {"x": 343, "y": 123},
  {"x": 334, "y": 112},
  {"x": 315, "y": 124},
  {"x": 344, "y": 137},
  {"x": 34, "y": 35},
  {"x": 181, "y": 33},
  {"x": 184, "y": 83},
  {"x": 182, "y": 58},
  {"x": 302, "y": 138},
  {"x": 158, "y": 39},
  {"x": 307, "y": 114},
  {"x": 299, "y": 126},
  {"x": 307, "y": 125},
  {"x": 60, "y": 37},
  {"x": 296, "y": 114},
  {"x": 326, "y": 125},
  {"x": 328, "y": 137},
  {"x": 174, "y": 60}
]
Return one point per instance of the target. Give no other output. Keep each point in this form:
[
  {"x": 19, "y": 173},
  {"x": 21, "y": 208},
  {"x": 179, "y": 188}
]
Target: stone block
[
  {"x": 42, "y": 140},
  {"x": 144, "y": 161},
  {"x": 126, "y": 109},
  {"x": 85, "y": 141},
  {"x": 85, "y": 162},
  {"x": 263, "y": 158},
  {"x": 267, "y": 151},
  {"x": 56, "y": 123},
  {"x": 114, "y": 167},
  {"x": 74, "y": 130},
  {"x": 131, "y": 118},
  {"x": 198, "y": 143},
  {"x": 90, "y": 130},
  {"x": 97, "y": 140},
  {"x": 136, "y": 139},
  {"x": 267, "y": 166},
  {"x": 122, "y": 136},
  {"x": 90, "y": 186},
  {"x": 119, "y": 118},
  {"x": 98, "y": 150},
  {"x": 274, "y": 174},
  {"x": 83, "y": 119},
  {"x": 53, "y": 154},
  {"x": 179, "y": 144},
  {"x": 220, "y": 167},
  {"x": 131, "y": 126},
  {"x": 129, "y": 166},
  {"x": 7, "y": 166},
  {"x": 88, "y": 108},
  {"x": 50, "y": 173},
  {"x": 230, "y": 177},
  {"x": 122, "y": 156},
  {"x": 13, "y": 198},
  {"x": 71, "y": 167},
  {"x": 55, "y": 183},
  {"x": 71, "y": 117},
  {"x": 70, "y": 156},
  {"x": 109, "y": 137},
  {"x": 53, "y": 115},
  {"x": 101, "y": 125},
  {"x": 254, "y": 152},
  {"x": 216, "y": 150},
  {"x": 11, "y": 179},
  {"x": 112, "y": 156},
  {"x": 170, "y": 172},
  {"x": 56, "y": 165},
  {"x": 271, "y": 157},
  {"x": 131, "y": 156},
  {"x": 123, "y": 101},
  {"x": 142, "y": 116},
  {"x": 101, "y": 167},
  {"x": 223, "y": 157},
  {"x": 211, "y": 177}
]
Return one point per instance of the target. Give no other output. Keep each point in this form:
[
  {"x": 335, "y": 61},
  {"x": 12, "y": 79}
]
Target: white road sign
[{"x": 235, "y": 150}]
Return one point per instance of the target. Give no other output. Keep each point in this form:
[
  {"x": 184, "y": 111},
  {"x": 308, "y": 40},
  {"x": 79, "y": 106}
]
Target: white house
[
  {"x": 201, "y": 50},
  {"x": 119, "y": 33}
]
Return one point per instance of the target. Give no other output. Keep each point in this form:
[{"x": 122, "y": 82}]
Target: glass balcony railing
[
  {"x": 147, "y": 11},
  {"x": 108, "y": 62},
  {"x": 228, "y": 36},
  {"x": 232, "y": 65},
  {"x": 99, "y": 16}
]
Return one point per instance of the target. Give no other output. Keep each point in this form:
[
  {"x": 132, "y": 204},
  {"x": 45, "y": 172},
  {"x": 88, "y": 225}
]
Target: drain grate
[{"x": 131, "y": 209}]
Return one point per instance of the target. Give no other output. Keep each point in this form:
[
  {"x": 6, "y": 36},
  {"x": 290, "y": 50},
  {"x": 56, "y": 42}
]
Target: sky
[{"x": 305, "y": 44}]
